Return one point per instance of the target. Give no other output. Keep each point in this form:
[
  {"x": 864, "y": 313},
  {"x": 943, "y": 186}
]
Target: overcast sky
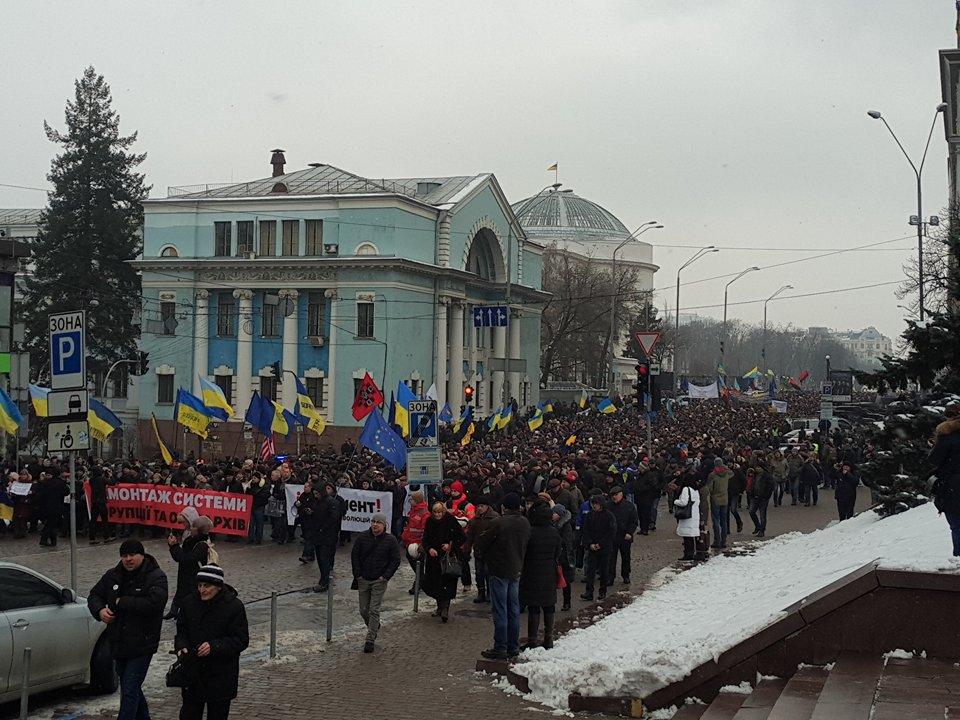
[{"x": 733, "y": 122}]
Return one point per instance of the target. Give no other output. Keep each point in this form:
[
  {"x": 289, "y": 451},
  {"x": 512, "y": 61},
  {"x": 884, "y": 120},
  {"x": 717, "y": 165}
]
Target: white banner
[
  {"x": 361, "y": 505},
  {"x": 698, "y": 392},
  {"x": 20, "y": 488},
  {"x": 779, "y": 405}
]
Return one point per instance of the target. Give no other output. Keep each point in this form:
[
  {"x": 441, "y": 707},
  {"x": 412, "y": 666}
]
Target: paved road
[{"x": 420, "y": 665}]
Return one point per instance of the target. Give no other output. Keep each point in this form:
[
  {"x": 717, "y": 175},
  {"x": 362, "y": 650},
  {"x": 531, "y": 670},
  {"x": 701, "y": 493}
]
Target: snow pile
[{"x": 695, "y": 616}]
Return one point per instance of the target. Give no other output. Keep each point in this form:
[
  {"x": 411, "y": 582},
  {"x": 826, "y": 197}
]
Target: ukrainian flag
[
  {"x": 281, "y": 419},
  {"x": 494, "y": 420},
  {"x": 583, "y": 399},
  {"x": 317, "y": 424},
  {"x": 465, "y": 417},
  {"x": 215, "y": 400},
  {"x": 164, "y": 451},
  {"x": 547, "y": 407},
  {"x": 606, "y": 406},
  {"x": 101, "y": 419},
  {"x": 755, "y": 373},
  {"x": 506, "y": 415},
  {"x": 468, "y": 435},
  {"x": 536, "y": 420},
  {"x": 192, "y": 413},
  {"x": 402, "y": 408},
  {"x": 305, "y": 407},
  {"x": 10, "y": 417},
  {"x": 38, "y": 396}
]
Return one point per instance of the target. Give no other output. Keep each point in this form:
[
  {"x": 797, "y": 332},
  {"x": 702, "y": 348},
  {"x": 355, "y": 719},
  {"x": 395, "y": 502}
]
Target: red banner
[{"x": 159, "y": 505}]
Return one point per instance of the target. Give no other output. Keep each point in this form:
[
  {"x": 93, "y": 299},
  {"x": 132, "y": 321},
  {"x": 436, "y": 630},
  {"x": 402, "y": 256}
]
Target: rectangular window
[
  {"x": 268, "y": 387},
  {"x": 356, "y": 385},
  {"x": 168, "y": 317},
  {"x": 119, "y": 382},
  {"x": 314, "y": 237},
  {"x": 291, "y": 237},
  {"x": 244, "y": 238},
  {"x": 271, "y": 321},
  {"x": 315, "y": 305},
  {"x": 225, "y": 383},
  {"x": 164, "y": 389},
  {"x": 365, "y": 319},
  {"x": 268, "y": 238},
  {"x": 226, "y": 326},
  {"x": 221, "y": 232},
  {"x": 315, "y": 391}
]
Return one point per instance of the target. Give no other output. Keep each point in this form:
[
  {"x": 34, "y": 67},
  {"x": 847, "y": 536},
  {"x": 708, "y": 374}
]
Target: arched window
[
  {"x": 484, "y": 258},
  {"x": 366, "y": 248},
  {"x": 169, "y": 251}
]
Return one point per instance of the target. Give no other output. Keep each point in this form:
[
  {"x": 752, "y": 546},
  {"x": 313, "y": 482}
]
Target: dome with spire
[{"x": 558, "y": 214}]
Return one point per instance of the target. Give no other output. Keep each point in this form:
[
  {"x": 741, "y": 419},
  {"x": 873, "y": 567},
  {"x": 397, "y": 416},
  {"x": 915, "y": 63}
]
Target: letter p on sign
[{"x": 68, "y": 351}]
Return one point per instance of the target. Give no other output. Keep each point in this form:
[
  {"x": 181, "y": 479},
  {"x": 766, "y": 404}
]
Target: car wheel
[{"x": 103, "y": 671}]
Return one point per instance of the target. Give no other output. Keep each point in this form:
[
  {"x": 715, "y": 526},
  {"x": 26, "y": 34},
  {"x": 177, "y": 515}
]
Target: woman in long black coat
[
  {"x": 442, "y": 535},
  {"x": 538, "y": 581}
]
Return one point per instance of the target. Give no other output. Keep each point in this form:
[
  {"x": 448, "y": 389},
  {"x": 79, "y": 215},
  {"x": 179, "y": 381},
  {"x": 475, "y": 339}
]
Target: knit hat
[
  {"x": 131, "y": 547},
  {"x": 379, "y": 518},
  {"x": 211, "y": 574},
  {"x": 511, "y": 501}
]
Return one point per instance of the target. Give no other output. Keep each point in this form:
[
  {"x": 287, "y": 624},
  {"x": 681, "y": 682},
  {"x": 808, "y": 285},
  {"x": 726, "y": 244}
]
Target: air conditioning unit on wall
[
  {"x": 331, "y": 249},
  {"x": 316, "y": 340}
]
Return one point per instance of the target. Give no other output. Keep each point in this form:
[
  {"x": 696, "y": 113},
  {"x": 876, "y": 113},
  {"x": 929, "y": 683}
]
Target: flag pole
[{"x": 236, "y": 445}]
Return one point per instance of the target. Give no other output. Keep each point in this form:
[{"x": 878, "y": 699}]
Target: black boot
[
  {"x": 548, "y": 618},
  {"x": 533, "y": 627}
]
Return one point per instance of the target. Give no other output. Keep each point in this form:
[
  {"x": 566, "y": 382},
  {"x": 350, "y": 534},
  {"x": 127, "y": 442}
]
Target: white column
[
  {"x": 201, "y": 334},
  {"x": 514, "y": 330},
  {"x": 499, "y": 351},
  {"x": 244, "y": 350},
  {"x": 440, "y": 371},
  {"x": 455, "y": 390},
  {"x": 291, "y": 339},
  {"x": 331, "y": 295}
]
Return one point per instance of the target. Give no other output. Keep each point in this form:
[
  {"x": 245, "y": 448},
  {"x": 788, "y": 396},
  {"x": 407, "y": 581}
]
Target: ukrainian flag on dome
[
  {"x": 10, "y": 417},
  {"x": 215, "y": 400}
]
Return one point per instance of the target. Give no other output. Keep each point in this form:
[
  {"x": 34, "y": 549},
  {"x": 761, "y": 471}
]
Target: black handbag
[
  {"x": 177, "y": 676},
  {"x": 450, "y": 566},
  {"x": 684, "y": 512}
]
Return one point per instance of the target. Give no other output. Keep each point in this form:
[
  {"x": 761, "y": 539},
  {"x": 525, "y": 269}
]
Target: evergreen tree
[{"x": 89, "y": 231}]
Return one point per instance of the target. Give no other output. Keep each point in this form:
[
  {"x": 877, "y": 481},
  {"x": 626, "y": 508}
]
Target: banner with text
[
  {"x": 703, "y": 392},
  {"x": 361, "y": 505},
  {"x": 159, "y": 505}
]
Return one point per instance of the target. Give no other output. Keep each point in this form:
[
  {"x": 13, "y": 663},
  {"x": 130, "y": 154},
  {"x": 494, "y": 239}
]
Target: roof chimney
[{"x": 278, "y": 161}]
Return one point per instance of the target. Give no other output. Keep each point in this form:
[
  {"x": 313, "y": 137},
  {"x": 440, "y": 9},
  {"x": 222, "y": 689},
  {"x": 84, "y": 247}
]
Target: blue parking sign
[{"x": 68, "y": 357}]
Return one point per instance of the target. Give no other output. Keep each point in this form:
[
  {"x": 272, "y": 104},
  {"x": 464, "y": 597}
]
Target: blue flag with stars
[{"x": 381, "y": 438}]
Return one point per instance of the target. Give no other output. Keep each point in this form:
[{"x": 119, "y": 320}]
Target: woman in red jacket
[{"x": 413, "y": 530}]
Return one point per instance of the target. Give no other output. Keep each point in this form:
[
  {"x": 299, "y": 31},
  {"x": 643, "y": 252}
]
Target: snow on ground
[{"x": 693, "y": 617}]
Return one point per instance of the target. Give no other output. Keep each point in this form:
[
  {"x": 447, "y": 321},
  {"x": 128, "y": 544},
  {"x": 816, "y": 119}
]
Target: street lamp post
[
  {"x": 676, "y": 339},
  {"x": 917, "y": 171},
  {"x": 763, "y": 349},
  {"x": 726, "y": 290},
  {"x": 650, "y": 225}
]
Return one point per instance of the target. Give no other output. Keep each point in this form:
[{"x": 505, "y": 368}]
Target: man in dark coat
[
  {"x": 625, "y": 513},
  {"x": 130, "y": 599},
  {"x": 98, "y": 506},
  {"x": 945, "y": 457},
  {"x": 538, "y": 580},
  {"x": 375, "y": 558},
  {"x": 503, "y": 547},
  {"x": 320, "y": 512},
  {"x": 846, "y": 492},
  {"x": 212, "y": 631},
  {"x": 809, "y": 480},
  {"x": 598, "y": 535},
  {"x": 50, "y": 493}
]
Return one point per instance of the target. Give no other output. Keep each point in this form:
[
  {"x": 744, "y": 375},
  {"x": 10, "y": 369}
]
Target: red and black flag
[{"x": 369, "y": 396}]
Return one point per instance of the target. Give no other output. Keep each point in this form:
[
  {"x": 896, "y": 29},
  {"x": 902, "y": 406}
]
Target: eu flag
[
  {"x": 379, "y": 437},
  {"x": 260, "y": 414}
]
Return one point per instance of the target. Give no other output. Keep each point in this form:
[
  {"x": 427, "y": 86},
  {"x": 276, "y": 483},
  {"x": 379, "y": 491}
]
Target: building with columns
[{"x": 334, "y": 275}]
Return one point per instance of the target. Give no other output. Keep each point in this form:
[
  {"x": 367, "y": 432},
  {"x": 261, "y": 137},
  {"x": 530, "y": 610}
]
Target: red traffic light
[
  {"x": 642, "y": 370},
  {"x": 468, "y": 393}
]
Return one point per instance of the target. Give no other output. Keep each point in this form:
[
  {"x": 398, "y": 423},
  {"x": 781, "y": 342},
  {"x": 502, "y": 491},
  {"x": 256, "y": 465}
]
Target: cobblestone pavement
[{"x": 420, "y": 665}]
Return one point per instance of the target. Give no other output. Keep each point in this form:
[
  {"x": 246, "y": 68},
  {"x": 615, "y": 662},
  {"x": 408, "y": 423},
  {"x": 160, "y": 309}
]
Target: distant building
[{"x": 866, "y": 345}]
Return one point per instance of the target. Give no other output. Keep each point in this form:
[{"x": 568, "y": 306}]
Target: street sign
[
  {"x": 68, "y": 436},
  {"x": 490, "y": 316},
  {"x": 68, "y": 355},
  {"x": 647, "y": 341},
  {"x": 63, "y": 404},
  {"x": 424, "y": 465},
  {"x": 654, "y": 368},
  {"x": 518, "y": 365},
  {"x": 826, "y": 389},
  {"x": 423, "y": 423},
  {"x": 842, "y": 384}
]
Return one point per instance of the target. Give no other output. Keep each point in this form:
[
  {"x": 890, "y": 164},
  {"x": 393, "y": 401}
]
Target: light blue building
[{"x": 334, "y": 275}]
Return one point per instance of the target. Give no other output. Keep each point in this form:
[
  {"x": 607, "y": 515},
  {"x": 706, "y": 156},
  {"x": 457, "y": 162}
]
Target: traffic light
[
  {"x": 144, "y": 364},
  {"x": 640, "y": 386},
  {"x": 277, "y": 370},
  {"x": 468, "y": 394}
]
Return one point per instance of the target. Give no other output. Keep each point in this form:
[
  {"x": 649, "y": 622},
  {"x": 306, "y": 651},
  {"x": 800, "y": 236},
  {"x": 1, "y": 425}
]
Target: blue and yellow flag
[
  {"x": 402, "y": 408},
  {"x": 304, "y": 408},
  {"x": 446, "y": 414},
  {"x": 506, "y": 415},
  {"x": 494, "y": 420},
  {"x": 192, "y": 413},
  {"x": 101, "y": 419},
  {"x": 38, "y": 396},
  {"x": 755, "y": 373},
  {"x": 536, "y": 420},
  {"x": 468, "y": 435},
  {"x": 164, "y": 451},
  {"x": 465, "y": 417},
  {"x": 547, "y": 407},
  {"x": 606, "y": 406},
  {"x": 215, "y": 400},
  {"x": 582, "y": 402},
  {"x": 281, "y": 419},
  {"x": 10, "y": 417}
]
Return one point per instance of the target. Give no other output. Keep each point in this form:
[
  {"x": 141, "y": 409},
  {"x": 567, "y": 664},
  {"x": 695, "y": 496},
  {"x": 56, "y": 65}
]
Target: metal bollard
[
  {"x": 273, "y": 625},
  {"x": 25, "y": 685},
  {"x": 416, "y": 585},
  {"x": 330, "y": 611}
]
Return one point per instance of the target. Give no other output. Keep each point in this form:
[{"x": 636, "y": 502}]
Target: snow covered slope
[{"x": 695, "y": 616}]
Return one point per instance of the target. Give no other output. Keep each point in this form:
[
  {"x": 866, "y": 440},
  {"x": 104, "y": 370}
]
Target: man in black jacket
[
  {"x": 375, "y": 558},
  {"x": 130, "y": 599},
  {"x": 598, "y": 535},
  {"x": 625, "y": 513},
  {"x": 945, "y": 456},
  {"x": 50, "y": 494}
]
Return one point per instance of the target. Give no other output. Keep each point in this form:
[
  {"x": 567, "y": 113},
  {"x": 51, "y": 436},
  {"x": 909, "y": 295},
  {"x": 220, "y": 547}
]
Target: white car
[{"x": 67, "y": 646}]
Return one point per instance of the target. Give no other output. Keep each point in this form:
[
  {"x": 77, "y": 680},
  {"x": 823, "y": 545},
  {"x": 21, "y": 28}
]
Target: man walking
[
  {"x": 375, "y": 558},
  {"x": 503, "y": 547},
  {"x": 598, "y": 535},
  {"x": 719, "y": 501},
  {"x": 846, "y": 492},
  {"x": 625, "y": 513},
  {"x": 130, "y": 599}
]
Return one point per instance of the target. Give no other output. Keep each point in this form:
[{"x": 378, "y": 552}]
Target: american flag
[{"x": 267, "y": 450}]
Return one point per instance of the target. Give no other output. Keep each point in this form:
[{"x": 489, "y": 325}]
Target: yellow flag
[
  {"x": 317, "y": 424},
  {"x": 468, "y": 435},
  {"x": 164, "y": 452},
  {"x": 552, "y": 167}
]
